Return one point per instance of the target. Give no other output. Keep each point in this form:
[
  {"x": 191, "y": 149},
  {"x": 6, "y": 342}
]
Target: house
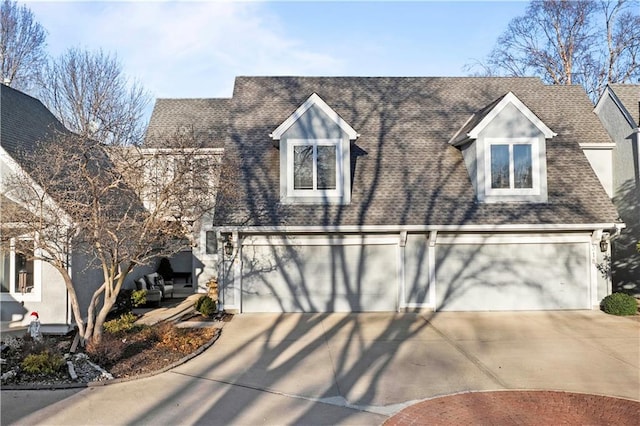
[
  {"x": 29, "y": 284},
  {"x": 189, "y": 131},
  {"x": 354, "y": 194},
  {"x": 619, "y": 111}
]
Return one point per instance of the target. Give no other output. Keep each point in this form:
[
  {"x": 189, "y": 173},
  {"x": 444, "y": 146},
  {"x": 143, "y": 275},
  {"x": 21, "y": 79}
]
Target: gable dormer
[
  {"x": 504, "y": 148},
  {"x": 315, "y": 152}
]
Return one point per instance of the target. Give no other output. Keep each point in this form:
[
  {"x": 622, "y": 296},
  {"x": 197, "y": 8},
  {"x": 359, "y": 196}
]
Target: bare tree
[
  {"x": 91, "y": 96},
  {"x": 22, "y": 46},
  {"x": 85, "y": 200},
  {"x": 585, "y": 42}
]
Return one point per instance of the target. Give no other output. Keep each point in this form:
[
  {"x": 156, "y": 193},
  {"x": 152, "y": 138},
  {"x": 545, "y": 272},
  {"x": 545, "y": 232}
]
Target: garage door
[
  {"x": 503, "y": 277},
  {"x": 316, "y": 275}
]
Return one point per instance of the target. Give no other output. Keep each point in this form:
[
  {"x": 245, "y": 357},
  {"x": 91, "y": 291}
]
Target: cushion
[
  {"x": 141, "y": 284},
  {"x": 151, "y": 280}
]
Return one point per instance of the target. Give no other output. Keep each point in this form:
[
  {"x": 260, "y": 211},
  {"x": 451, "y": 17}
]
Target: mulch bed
[{"x": 142, "y": 351}]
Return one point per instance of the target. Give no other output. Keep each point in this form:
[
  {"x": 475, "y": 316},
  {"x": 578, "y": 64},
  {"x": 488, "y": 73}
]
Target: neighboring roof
[
  {"x": 629, "y": 96},
  {"x": 404, "y": 172},
  {"x": 24, "y": 121},
  {"x": 207, "y": 118}
]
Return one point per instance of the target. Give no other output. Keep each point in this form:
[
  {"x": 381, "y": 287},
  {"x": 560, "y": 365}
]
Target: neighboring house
[
  {"x": 619, "y": 110},
  {"x": 385, "y": 194},
  {"x": 188, "y": 136},
  {"x": 29, "y": 285}
]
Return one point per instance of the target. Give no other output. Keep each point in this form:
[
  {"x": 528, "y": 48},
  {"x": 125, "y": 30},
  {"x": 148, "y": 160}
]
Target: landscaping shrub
[
  {"x": 107, "y": 352},
  {"x": 198, "y": 303},
  {"x": 619, "y": 304},
  {"x": 43, "y": 363},
  {"x": 121, "y": 325},
  {"x": 206, "y": 306},
  {"x": 138, "y": 297}
]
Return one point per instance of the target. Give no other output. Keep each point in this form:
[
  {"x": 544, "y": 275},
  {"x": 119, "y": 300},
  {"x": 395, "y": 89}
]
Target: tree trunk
[
  {"x": 102, "y": 317},
  {"x": 89, "y": 330}
]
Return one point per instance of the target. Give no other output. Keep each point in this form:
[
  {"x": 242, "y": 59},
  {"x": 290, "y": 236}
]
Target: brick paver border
[{"x": 520, "y": 408}]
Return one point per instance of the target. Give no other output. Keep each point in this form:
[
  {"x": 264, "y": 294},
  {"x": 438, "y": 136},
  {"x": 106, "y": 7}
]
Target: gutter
[{"x": 422, "y": 228}]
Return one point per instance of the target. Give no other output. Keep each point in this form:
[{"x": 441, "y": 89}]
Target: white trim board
[
  {"x": 314, "y": 99},
  {"x": 277, "y": 240},
  {"x": 420, "y": 228},
  {"x": 512, "y": 99},
  {"x": 514, "y": 239}
]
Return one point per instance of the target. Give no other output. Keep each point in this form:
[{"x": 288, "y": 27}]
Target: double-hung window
[{"x": 314, "y": 167}]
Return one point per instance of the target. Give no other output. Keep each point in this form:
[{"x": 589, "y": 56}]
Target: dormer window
[
  {"x": 504, "y": 148},
  {"x": 315, "y": 146},
  {"x": 513, "y": 164},
  {"x": 315, "y": 167}
]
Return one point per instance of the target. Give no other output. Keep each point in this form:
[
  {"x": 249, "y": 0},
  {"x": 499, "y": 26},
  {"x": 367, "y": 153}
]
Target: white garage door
[
  {"x": 504, "y": 277},
  {"x": 316, "y": 275}
]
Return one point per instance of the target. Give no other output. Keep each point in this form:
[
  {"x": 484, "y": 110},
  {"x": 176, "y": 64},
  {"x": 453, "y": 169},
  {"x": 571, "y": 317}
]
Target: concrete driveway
[{"x": 357, "y": 368}]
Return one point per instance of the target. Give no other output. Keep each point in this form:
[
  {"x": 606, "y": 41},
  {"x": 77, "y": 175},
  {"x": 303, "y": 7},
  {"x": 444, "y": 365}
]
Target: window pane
[
  {"x": 327, "y": 167},
  {"x": 303, "y": 167},
  {"x": 499, "y": 166},
  {"x": 211, "y": 243},
  {"x": 5, "y": 258},
  {"x": 24, "y": 273},
  {"x": 522, "y": 166}
]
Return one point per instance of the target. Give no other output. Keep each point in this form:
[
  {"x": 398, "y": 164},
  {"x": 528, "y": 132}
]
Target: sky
[{"x": 195, "y": 49}]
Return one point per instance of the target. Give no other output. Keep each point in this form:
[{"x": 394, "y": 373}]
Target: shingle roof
[
  {"x": 404, "y": 172},
  {"x": 629, "y": 95},
  {"x": 24, "y": 121},
  {"x": 208, "y": 118}
]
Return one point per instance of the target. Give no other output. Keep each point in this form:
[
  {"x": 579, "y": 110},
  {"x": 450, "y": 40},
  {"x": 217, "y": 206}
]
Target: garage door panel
[
  {"x": 512, "y": 276},
  {"x": 319, "y": 278}
]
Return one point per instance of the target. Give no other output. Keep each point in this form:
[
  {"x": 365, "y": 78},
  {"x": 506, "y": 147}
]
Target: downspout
[{"x": 70, "y": 272}]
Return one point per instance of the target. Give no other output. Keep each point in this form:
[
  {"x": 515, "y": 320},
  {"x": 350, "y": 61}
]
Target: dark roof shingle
[
  {"x": 24, "y": 122},
  {"x": 207, "y": 118},
  {"x": 629, "y": 95},
  {"x": 404, "y": 172}
]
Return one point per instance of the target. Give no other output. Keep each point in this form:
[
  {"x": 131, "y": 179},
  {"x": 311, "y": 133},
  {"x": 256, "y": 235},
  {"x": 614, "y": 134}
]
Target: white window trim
[
  {"x": 14, "y": 294},
  {"x": 301, "y": 193},
  {"x": 535, "y": 167},
  {"x": 512, "y": 99},
  {"x": 312, "y": 100}
]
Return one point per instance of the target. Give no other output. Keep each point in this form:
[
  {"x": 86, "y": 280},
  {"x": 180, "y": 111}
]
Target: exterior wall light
[
  {"x": 228, "y": 246},
  {"x": 604, "y": 245}
]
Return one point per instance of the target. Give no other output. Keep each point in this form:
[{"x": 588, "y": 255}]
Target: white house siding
[
  {"x": 49, "y": 299},
  {"x": 501, "y": 274},
  {"x": 306, "y": 274},
  {"x": 601, "y": 162}
]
